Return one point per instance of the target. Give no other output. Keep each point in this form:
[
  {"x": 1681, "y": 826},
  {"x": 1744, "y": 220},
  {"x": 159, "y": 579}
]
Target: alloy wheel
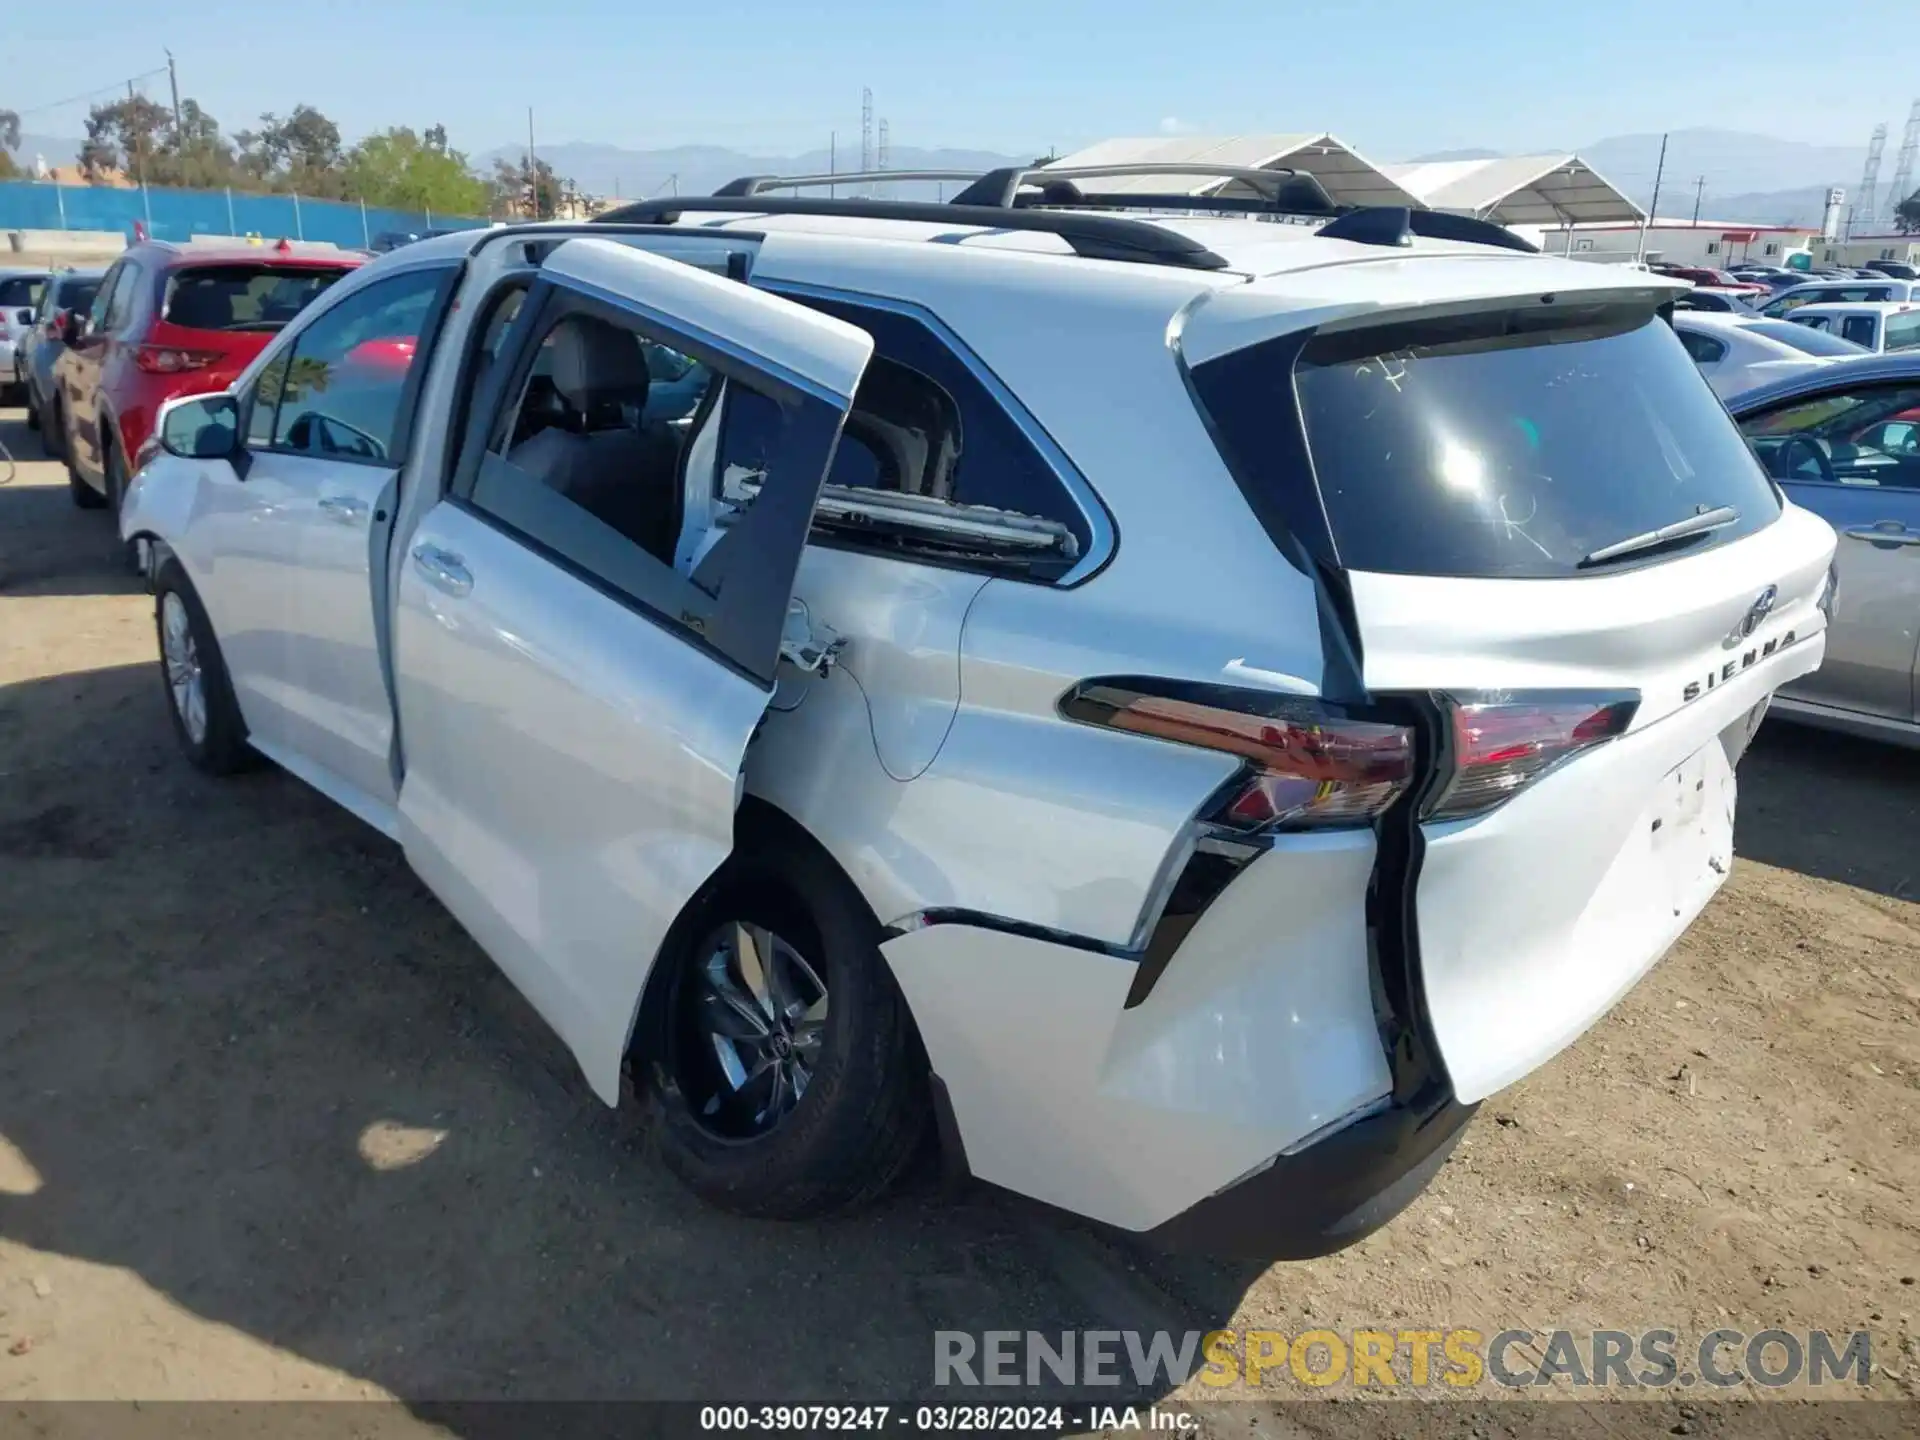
[
  {"x": 753, "y": 1016},
  {"x": 186, "y": 682}
]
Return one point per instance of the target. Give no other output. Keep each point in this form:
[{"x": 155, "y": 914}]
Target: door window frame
[
  {"x": 287, "y": 347},
  {"x": 727, "y": 607}
]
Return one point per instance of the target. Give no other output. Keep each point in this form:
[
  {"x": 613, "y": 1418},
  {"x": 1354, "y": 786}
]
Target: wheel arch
[{"x": 764, "y": 829}]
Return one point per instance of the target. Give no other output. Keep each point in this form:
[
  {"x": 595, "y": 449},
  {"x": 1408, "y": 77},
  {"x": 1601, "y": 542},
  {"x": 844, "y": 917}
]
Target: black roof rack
[
  {"x": 1097, "y": 237},
  {"x": 1396, "y": 225},
  {"x": 1049, "y": 199}
]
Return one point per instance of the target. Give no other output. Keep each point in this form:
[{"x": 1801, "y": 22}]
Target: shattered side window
[{"x": 928, "y": 461}]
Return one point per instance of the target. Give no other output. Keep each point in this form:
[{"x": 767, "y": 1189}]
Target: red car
[
  {"x": 1717, "y": 279},
  {"x": 171, "y": 320}
]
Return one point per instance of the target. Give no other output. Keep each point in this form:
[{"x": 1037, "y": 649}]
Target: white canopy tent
[
  {"x": 1554, "y": 190},
  {"x": 1343, "y": 172}
]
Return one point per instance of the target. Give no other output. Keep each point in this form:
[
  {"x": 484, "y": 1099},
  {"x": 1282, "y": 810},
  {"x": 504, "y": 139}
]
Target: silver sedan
[{"x": 1844, "y": 442}]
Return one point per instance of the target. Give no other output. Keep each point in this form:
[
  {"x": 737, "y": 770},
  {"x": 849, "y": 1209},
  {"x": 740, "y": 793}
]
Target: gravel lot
[{"x": 271, "y": 1126}]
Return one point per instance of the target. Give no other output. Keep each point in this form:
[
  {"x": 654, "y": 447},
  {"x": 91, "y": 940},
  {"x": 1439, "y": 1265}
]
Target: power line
[{"x": 114, "y": 88}]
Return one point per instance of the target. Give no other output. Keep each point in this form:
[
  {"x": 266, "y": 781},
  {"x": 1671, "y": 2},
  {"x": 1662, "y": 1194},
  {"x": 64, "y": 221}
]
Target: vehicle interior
[
  {"x": 1871, "y": 438},
  {"x": 589, "y": 426}
]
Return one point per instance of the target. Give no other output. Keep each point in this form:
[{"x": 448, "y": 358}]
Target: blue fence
[{"x": 181, "y": 214}]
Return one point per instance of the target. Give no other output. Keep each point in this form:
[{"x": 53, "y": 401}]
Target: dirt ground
[{"x": 271, "y": 1126}]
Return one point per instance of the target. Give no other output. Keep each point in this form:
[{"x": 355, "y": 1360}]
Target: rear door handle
[
  {"x": 343, "y": 509},
  {"x": 443, "y": 569},
  {"x": 1885, "y": 532}
]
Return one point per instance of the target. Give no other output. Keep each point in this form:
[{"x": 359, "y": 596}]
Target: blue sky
[{"x": 1393, "y": 77}]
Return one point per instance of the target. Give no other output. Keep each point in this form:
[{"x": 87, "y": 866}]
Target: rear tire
[
  {"x": 206, "y": 718},
  {"x": 117, "y": 479},
  {"x": 53, "y": 434},
  {"x": 861, "y": 1112}
]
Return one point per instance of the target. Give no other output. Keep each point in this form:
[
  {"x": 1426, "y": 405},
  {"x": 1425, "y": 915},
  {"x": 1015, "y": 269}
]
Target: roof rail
[
  {"x": 1096, "y": 237},
  {"x": 1280, "y": 191},
  {"x": 1396, "y": 225}
]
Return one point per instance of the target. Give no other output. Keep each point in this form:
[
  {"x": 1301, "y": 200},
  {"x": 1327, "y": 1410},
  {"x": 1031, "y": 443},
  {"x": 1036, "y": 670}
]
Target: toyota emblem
[{"x": 1755, "y": 616}]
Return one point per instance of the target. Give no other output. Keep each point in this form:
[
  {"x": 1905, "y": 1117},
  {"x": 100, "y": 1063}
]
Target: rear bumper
[{"x": 1326, "y": 1197}]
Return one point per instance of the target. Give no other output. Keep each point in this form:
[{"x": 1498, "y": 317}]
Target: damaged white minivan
[{"x": 1174, "y": 711}]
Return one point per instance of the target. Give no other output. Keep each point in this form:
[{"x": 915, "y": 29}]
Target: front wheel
[
  {"x": 206, "y": 718},
  {"x": 786, "y": 1068}
]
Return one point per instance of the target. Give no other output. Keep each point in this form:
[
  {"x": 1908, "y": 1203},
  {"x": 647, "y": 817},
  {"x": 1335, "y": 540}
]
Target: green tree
[
  {"x": 1907, "y": 214},
  {"x": 300, "y": 153},
  {"x": 405, "y": 171},
  {"x": 532, "y": 193},
  {"x": 9, "y": 138},
  {"x": 122, "y": 135}
]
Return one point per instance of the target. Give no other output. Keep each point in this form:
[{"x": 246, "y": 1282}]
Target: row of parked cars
[
  {"x": 1171, "y": 717},
  {"x": 95, "y": 353}
]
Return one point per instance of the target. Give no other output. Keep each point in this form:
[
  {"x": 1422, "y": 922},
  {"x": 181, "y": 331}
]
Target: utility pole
[
  {"x": 1699, "y": 188},
  {"x": 533, "y": 177},
  {"x": 833, "y": 158},
  {"x": 1653, "y": 209},
  {"x": 173, "y": 79}
]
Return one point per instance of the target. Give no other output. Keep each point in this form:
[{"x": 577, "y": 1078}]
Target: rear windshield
[
  {"x": 242, "y": 297},
  {"x": 1510, "y": 443},
  {"x": 20, "y": 291},
  {"x": 1804, "y": 338}
]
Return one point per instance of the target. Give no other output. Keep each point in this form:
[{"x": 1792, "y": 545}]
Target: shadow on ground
[
  {"x": 1832, "y": 807},
  {"x": 256, "y": 1064},
  {"x": 48, "y": 546}
]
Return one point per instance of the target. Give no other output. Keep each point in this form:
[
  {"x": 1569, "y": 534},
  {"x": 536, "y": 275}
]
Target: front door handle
[
  {"x": 443, "y": 569},
  {"x": 344, "y": 509},
  {"x": 1883, "y": 532}
]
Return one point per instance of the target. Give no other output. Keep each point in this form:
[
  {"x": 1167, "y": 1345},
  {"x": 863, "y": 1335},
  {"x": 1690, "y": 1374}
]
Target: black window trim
[
  {"x": 727, "y": 625},
  {"x": 1104, "y": 541},
  {"x": 401, "y": 441}
]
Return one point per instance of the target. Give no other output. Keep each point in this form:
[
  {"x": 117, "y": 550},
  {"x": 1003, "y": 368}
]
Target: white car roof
[{"x": 1852, "y": 307}]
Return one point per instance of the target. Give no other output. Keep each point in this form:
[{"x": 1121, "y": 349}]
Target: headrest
[{"x": 595, "y": 363}]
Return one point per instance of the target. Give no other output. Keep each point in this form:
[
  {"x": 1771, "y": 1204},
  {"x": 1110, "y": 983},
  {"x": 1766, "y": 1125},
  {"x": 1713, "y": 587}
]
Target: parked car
[
  {"x": 886, "y": 746},
  {"x": 1716, "y": 300},
  {"x": 1848, "y": 292},
  {"x": 1873, "y": 325},
  {"x": 67, "y": 295},
  {"x": 1739, "y": 353},
  {"x": 1701, "y": 275},
  {"x": 1775, "y": 281},
  {"x": 1844, "y": 442},
  {"x": 171, "y": 320},
  {"x": 1898, "y": 269},
  {"x": 19, "y": 294}
]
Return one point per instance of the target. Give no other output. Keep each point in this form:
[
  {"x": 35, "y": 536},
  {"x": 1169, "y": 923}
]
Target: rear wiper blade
[{"x": 1698, "y": 523}]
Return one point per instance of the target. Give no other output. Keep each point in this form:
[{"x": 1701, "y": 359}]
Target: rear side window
[
  {"x": 1511, "y": 443},
  {"x": 242, "y": 297},
  {"x": 1903, "y": 331},
  {"x": 1860, "y": 329},
  {"x": 1704, "y": 349},
  {"x": 74, "y": 295},
  {"x": 929, "y": 465}
]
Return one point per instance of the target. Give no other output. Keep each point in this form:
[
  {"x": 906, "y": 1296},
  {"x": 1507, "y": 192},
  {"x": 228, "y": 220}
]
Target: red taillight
[
  {"x": 1502, "y": 746},
  {"x": 171, "y": 360},
  {"x": 1309, "y": 764}
]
